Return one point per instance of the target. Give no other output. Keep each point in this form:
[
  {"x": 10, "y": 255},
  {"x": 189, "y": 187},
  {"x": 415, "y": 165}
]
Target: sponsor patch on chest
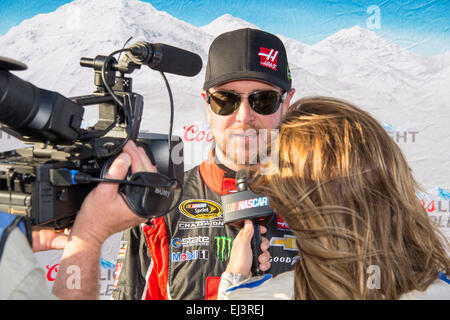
[{"x": 201, "y": 209}]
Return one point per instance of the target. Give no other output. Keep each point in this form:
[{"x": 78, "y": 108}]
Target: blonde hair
[{"x": 346, "y": 191}]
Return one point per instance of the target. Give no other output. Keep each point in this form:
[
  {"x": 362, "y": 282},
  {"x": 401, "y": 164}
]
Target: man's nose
[{"x": 244, "y": 113}]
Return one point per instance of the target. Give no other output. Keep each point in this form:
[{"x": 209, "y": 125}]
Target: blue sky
[{"x": 420, "y": 25}]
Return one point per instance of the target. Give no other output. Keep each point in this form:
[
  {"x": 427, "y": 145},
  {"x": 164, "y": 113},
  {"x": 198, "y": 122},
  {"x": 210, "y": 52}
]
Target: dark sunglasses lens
[
  {"x": 224, "y": 103},
  {"x": 265, "y": 102}
]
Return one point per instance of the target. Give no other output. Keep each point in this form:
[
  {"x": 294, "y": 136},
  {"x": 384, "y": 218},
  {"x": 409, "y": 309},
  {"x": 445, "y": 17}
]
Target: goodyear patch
[{"x": 201, "y": 209}]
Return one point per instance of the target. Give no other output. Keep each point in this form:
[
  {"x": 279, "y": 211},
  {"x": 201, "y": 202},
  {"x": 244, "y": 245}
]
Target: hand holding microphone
[
  {"x": 242, "y": 258},
  {"x": 254, "y": 209}
]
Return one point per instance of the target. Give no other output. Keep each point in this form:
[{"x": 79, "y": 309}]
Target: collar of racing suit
[{"x": 216, "y": 176}]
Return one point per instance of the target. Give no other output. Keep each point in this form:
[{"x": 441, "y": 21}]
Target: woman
[{"x": 346, "y": 191}]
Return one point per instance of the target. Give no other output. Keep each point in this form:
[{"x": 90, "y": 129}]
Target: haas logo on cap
[{"x": 268, "y": 58}]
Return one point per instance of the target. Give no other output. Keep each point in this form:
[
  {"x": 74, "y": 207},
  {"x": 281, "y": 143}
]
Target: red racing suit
[{"x": 183, "y": 254}]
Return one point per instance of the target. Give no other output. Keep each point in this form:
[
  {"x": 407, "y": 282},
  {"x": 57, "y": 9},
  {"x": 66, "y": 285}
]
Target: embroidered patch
[
  {"x": 268, "y": 58},
  {"x": 201, "y": 209},
  {"x": 122, "y": 250}
]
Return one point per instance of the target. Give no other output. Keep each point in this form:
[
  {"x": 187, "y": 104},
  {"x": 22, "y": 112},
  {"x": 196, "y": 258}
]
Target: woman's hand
[{"x": 241, "y": 257}]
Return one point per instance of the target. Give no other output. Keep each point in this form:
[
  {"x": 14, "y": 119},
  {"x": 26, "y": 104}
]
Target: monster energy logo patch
[
  {"x": 289, "y": 73},
  {"x": 223, "y": 247}
]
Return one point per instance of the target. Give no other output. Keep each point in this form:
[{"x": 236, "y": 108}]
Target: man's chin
[
  {"x": 245, "y": 156},
  {"x": 244, "y": 159}
]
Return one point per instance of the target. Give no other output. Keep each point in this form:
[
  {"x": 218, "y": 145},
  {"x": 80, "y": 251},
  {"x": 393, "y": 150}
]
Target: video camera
[{"x": 48, "y": 181}]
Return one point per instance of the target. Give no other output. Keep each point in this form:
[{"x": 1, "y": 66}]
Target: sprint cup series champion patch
[{"x": 201, "y": 209}]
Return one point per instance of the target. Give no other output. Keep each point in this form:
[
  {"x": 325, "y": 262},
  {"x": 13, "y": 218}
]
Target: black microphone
[
  {"x": 165, "y": 58},
  {"x": 243, "y": 205}
]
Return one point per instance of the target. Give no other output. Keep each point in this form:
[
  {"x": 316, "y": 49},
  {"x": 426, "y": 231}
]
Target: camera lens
[
  {"x": 18, "y": 101},
  {"x": 38, "y": 114}
]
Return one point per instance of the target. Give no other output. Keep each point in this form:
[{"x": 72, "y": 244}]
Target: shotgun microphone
[{"x": 165, "y": 58}]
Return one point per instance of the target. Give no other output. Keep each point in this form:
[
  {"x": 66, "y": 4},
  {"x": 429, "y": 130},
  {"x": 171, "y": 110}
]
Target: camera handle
[{"x": 107, "y": 132}]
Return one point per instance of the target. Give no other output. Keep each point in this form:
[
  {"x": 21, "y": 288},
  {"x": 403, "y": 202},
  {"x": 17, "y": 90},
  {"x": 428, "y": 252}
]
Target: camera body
[
  {"x": 38, "y": 181},
  {"x": 27, "y": 188},
  {"x": 32, "y": 185}
]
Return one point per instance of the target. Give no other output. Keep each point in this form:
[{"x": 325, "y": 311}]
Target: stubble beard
[{"x": 247, "y": 151}]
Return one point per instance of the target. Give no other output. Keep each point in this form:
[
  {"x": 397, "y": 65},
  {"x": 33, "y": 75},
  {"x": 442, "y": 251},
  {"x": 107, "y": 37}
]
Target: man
[
  {"x": 247, "y": 90},
  {"x": 78, "y": 275}
]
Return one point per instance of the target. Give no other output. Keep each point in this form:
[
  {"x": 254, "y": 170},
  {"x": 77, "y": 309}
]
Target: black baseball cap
[{"x": 247, "y": 54}]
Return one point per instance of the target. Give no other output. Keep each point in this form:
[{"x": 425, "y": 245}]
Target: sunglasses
[{"x": 264, "y": 102}]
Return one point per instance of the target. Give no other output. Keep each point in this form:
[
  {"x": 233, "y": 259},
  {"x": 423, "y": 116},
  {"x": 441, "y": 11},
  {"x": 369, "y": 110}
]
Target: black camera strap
[{"x": 148, "y": 194}]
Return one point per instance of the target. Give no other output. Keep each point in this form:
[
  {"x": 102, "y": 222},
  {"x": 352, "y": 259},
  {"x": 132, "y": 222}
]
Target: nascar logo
[{"x": 248, "y": 204}]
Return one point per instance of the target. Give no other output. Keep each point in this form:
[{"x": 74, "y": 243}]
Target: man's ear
[
  {"x": 208, "y": 109},
  {"x": 204, "y": 95},
  {"x": 287, "y": 101}
]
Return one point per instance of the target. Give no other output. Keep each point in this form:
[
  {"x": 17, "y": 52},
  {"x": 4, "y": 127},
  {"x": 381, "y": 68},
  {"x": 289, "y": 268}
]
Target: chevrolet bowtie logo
[{"x": 287, "y": 242}]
